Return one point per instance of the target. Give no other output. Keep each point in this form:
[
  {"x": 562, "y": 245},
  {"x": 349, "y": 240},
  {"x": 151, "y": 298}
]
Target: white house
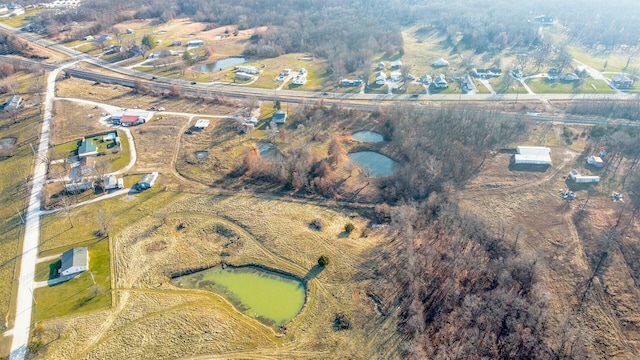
[
  {"x": 595, "y": 161},
  {"x": 440, "y": 63},
  {"x": 74, "y": 261},
  {"x": 195, "y": 43},
  {"x": 396, "y": 64},
  {"x": 201, "y": 124},
  {"x": 532, "y": 155},
  {"x": 301, "y": 79},
  {"x": 584, "y": 179},
  {"x": 110, "y": 182},
  {"x": 247, "y": 69},
  {"x": 395, "y": 76}
]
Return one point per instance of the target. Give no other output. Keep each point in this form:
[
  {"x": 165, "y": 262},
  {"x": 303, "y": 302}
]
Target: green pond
[{"x": 270, "y": 297}]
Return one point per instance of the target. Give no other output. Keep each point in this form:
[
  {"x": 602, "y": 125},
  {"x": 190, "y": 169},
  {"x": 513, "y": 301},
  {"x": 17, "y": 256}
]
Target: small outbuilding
[
  {"x": 14, "y": 102},
  {"x": 201, "y": 124},
  {"x": 583, "y": 179},
  {"x": 147, "y": 181},
  {"x": 74, "y": 261}
]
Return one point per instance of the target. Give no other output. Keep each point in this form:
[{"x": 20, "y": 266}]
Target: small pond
[
  {"x": 270, "y": 297},
  {"x": 221, "y": 64},
  {"x": 376, "y": 164},
  {"x": 368, "y": 136}
]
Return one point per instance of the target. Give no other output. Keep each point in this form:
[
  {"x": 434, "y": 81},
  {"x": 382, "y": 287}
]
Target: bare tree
[{"x": 104, "y": 221}]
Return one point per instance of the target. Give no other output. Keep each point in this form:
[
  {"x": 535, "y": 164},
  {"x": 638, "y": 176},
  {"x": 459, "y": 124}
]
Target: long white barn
[{"x": 532, "y": 155}]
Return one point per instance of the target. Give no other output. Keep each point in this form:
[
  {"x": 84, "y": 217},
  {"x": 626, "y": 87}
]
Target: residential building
[
  {"x": 621, "y": 81},
  {"x": 532, "y": 155},
  {"x": 87, "y": 148},
  {"x": 14, "y": 102},
  {"x": 595, "y": 161},
  {"x": 201, "y": 124},
  {"x": 486, "y": 73},
  {"x": 440, "y": 82},
  {"x": 74, "y": 261},
  {"x": 113, "y": 182},
  {"x": 584, "y": 179},
  {"x": 78, "y": 187},
  {"x": 381, "y": 78},
  {"x": 440, "y": 63},
  {"x": 247, "y": 69},
  {"x": 131, "y": 117},
  {"x": 195, "y": 43},
  {"x": 243, "y": 76},
  {"x": 395, "y": 76},
  {"x": 279, "y": 117},
  {"x": 87, "y": 165},
  {"x": 396, "y": 64}
]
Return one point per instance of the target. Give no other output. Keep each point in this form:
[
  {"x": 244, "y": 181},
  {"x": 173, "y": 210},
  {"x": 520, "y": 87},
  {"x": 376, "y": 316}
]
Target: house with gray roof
[{"x": 74, "y": 261}]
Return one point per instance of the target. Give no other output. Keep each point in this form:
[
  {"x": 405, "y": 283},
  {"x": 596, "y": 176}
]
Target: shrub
[
  {"x": 349, "y": 227},
  {"x": 323, "y": 260},
  {"x": 316, "y": 224},
  {"x": 341, "y": 322}
]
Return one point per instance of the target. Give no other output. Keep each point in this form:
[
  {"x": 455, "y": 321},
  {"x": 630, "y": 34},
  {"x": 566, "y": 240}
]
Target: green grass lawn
[
  {"x": 19, "y": 21},
  {"x": 80, "y": 294},
  {"x": 117, "y": 160},
  {"x": 372, "y": 88}
]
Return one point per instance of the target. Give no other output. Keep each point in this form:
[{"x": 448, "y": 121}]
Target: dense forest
[{"x": 348, "y": 35}]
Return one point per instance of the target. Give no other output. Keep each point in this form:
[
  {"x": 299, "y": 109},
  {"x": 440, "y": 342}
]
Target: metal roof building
[
  {"x": 74, "y": 261},
  {"x": 532, "y": 155}
]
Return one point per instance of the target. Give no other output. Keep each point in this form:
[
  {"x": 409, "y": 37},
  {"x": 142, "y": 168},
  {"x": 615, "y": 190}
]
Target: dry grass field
[
  {"x": 124, "y": 97},
  {"x": 73, "y": 121},
  {"x": 527, "y": 205},
  {"x": 172, "y": 322}
]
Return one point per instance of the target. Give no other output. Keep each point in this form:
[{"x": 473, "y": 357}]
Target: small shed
[
  {"x": 74, "y": 261},
  {"x": 440, "y": 63},
  {"x": 279, "y": 117}
]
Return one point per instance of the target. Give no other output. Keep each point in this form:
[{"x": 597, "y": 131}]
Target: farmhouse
[
  {"x": 575, "y": 176},
  {"x": 147, "y": 181},
  {"x": 74, "y": 261},
  {"x": 247, "y": 69},
  {"x": 440, "y": 63},
  {"x": 279, "y": 117},
  {"x": 87, "y": 148},
  {"x": 14, "y": 102},
  {"x": 532, "y": 155},
  {"x": 131, "y": 117},
  {"x": 201, "y": 124},
  {"x": 595, "y": 161}
]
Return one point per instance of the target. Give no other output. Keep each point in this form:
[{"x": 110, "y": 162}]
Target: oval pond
[
  {"x": 376, "y": 164},
  {"x": 266, "y": 295},
  {"x": 368, "y": 136},
  {"x": 221, "y": 64}
]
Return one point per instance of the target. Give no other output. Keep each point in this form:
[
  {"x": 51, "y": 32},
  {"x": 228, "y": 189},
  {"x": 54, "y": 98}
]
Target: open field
[
  {"x": 19, "y": 21},
  {"x": 146, "y": 302},
  {"x": 590, "y": 86},
  {"x": 528, "y": 204},
  {"x": 16, "y": 161},
  {"x": 74, "y": 121},
  {"x": 124, "y": 97}
]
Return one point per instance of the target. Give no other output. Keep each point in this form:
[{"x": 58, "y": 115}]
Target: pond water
[
  {"x": 376, "y": 164},
  {"x": 368, "y": 136},
  {"x": 221, "y": 64},
  {"x": 270, "y": 297}
]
